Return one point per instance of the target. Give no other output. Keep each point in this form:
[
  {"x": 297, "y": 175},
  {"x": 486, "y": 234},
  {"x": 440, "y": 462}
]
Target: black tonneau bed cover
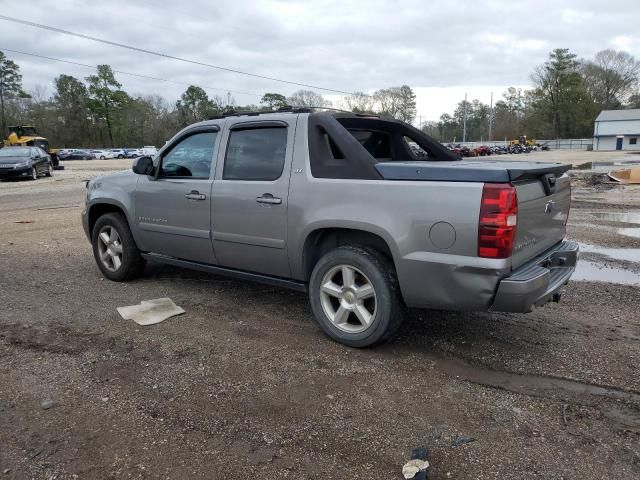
[{"x": 469, "y": 170}]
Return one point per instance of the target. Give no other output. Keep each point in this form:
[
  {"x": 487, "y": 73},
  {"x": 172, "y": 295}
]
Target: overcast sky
[{"x": 441, "y": 49}]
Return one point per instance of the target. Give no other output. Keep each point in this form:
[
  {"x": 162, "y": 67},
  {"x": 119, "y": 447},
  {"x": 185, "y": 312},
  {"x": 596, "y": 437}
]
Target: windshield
[{"x": 14, "y": 152}]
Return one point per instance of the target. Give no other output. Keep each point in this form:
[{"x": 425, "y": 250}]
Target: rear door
[
  {"x": 543, "y": 209},
  {"x": 250, "y": 195},
  {"x": 173, "y": 211}
]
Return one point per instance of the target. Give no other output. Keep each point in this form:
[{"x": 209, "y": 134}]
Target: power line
[
  {"x": 164, "y": 55},
  {"x": 128, "y": 73}
]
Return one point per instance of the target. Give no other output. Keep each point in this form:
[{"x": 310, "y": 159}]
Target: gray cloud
[{"x": 337, "y": 44}]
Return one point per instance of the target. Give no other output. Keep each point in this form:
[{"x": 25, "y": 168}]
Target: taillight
[{"x": 497, "y": 223}]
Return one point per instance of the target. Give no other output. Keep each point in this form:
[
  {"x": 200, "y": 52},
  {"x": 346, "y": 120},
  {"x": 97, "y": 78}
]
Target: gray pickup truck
[{"x": 368, "y": 215}]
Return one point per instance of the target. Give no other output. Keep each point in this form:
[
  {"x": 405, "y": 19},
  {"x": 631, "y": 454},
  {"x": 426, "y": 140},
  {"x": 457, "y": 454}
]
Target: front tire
[
  {"x": 34, "y": 173},
  {"x": 354, "y": 296},
  {"x": 114, "y": 248}
]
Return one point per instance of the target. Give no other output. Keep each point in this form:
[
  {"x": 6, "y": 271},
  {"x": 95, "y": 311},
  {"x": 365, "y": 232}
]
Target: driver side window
[{"x": 190, "y": 158}]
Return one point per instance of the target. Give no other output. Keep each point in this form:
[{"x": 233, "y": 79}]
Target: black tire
[
  {"x": 34, "y": 173},
  {"x": 120, "y": 156},
  {"x": 49, "y": 170},
  {"x": 132, "y": 263},
  {"x": 378, "y": 271}
]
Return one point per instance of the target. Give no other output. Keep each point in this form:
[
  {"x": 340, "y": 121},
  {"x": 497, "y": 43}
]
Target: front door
[
  {"x": 250, "y": 196},
  {"x": 173, "y": 211},
  {"x": 619, "y": 143}
]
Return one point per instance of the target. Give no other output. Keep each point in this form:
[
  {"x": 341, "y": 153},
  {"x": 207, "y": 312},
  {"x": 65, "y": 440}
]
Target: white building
[{"x": 617, "y": 130}]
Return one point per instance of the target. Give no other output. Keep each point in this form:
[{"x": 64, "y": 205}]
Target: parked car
[
  {"x": 134, "y": 152},
  {"x": 25, "y": 162},
  {"x": 119, "y": 152},
  {"x": 149, "y": 150},
  {"x": 78, "y": 155},
  {"x": 455, "y": 150},
  {"x": 350, "y": 215},
  {"x": 102, "y": 154}
]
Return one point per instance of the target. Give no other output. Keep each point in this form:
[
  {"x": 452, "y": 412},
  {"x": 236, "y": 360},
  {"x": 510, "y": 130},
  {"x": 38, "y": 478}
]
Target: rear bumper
[{"x": 538, "y": 281}]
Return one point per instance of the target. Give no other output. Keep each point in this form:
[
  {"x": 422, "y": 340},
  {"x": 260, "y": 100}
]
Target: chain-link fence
[{"x": 559, "y": 144}]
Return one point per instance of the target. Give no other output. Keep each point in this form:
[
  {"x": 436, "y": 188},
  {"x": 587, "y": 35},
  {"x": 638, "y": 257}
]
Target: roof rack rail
[{"x": 287, "y": 109}]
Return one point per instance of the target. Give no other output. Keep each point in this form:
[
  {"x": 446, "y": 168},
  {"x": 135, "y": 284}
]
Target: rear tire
[
  {"x": 114, "y": 248},
  {"x": 49, "y": 170},
  {"x": 355, "y": 297}
]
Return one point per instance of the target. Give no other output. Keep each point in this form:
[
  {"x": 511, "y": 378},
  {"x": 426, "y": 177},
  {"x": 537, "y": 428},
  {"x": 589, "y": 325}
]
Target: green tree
[
  {"x": 71, "y": 99},
  {"x": 406, "y": 104},
  {"x": 274, "y": 100},
  {"x": 106, "y": 100},
  {"x": 634, "y": 101},
  {"x": 10, "y": 86},
  {"x": 194, "y": 105},
  {"x": 561, "y": 96}
]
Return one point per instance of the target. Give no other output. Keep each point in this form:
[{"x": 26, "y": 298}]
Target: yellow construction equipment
[
  {"x": 26, "y": 136},
  {"x": 524, "y": 141}
]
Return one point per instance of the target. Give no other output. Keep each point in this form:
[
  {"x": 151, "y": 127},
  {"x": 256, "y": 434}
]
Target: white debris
[
  {"x": 150, "y": 312},
  {"x": 412, "y": 467}
]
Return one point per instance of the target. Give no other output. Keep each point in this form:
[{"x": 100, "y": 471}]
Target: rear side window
[{"x": 255, "y": 154}]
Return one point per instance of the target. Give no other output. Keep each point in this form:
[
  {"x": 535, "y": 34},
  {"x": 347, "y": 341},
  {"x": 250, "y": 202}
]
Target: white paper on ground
[{"x": 150, "y": 312}]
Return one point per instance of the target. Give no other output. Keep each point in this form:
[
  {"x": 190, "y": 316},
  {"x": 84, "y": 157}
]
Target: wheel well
[
  {"x": 100, "y": 209},
  {"x": 323, "y": 240}
]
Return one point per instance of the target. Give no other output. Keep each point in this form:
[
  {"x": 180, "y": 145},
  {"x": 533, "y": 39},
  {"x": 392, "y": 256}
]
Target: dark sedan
[
  {"x": 24, "y": 162},
  {"x": 78, "y": 155}
]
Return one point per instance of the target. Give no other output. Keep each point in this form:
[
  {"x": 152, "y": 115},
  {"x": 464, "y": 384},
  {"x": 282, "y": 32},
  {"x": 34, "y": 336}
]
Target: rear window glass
[{"x": 376, "y": 143}]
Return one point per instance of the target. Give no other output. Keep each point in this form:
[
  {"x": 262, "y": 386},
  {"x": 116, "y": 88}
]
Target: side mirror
[{"x": 143, "y": 166}]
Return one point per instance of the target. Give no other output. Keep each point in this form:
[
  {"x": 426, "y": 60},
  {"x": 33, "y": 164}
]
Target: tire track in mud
[{"x": 607, "y": 399}]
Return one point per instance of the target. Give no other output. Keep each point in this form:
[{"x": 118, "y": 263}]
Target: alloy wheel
[
  {"x": 110, "y": 248},
  {"x": 348, "y": 298}
]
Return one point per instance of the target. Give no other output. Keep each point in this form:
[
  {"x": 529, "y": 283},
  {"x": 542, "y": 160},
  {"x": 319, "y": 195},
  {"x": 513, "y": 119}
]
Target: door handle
[
  {"x": 268, "y": 198},
  {"x": 195, "y": 195}
]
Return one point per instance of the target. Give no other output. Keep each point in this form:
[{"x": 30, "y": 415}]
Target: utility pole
[
  {"x": 490, "y": 116},
  {"x": 464, "y": 120}
]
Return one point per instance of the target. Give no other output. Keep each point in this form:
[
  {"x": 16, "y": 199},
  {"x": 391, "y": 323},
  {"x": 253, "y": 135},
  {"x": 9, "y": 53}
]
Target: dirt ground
[{"x": 244, "y": 385}]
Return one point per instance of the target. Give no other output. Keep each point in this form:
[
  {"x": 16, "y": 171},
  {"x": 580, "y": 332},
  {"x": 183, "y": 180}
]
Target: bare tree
[
  {"x": 307, "y": 98},
  {"x": 359, "y": 102},
  {"x": 611, "y": 77}
]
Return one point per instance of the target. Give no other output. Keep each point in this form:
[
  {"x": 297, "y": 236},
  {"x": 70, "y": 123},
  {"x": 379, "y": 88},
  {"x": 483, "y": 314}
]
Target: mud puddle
[
  {"x": 587, "y": 271},
  {"x": 630, "y": 232},
  {"x": 622, "y": 217},
  {"x": 624, "y": 254},
  {"x": 591, "y": 271},
  {"x": 625, "y": 418},
  {"x": 632, "y": 218}
]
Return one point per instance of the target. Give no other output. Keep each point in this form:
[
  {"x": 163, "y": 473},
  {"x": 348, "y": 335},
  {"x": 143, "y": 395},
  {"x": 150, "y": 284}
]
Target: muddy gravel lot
[{"x": 245, "y": 385}]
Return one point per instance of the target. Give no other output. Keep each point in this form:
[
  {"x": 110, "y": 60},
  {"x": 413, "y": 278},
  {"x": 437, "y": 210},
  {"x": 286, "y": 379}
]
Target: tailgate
[{"x": 543, "y": 209}]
